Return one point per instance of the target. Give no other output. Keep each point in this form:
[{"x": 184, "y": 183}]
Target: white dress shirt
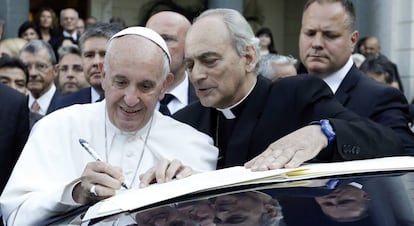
[
  {"x": 180, "y": 93},
  {"x": 95, "y": 96},
  {"x": 44, "y": 100},
  {"x": 334, "y": 80},
  {"x": 74, "y": 35},
  {"x": 53, "y": 160}
]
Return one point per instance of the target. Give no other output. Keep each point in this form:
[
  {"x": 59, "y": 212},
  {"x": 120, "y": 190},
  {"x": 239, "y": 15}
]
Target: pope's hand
[
  {"x": 99, "y": 180},
  {"x": 291, "y": 150},
  {"x": 165, "y": 171}
]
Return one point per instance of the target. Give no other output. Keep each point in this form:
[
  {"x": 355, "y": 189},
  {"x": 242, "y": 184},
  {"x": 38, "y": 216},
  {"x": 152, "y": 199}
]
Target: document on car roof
[{"x": 135, "y": 199}]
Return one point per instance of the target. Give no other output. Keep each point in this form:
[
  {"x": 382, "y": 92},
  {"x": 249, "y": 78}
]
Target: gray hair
[
  {"x": 265, "y": 63},
  {"x": 166, "y": 61},
  {"x": 239, "y": 29},
  {"x": 35, "y": 46},
  {"x": 99, "y": 30},
  {"x": 68, "y": 49}
]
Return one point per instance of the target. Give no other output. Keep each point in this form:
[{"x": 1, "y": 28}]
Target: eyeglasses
[
  {"x": 38, "y": 66},
  {"x": 75, "y": 68}
]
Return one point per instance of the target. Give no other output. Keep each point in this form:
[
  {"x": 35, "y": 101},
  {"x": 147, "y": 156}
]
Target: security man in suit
[
  {"x": 326, "y": 43},
  {"x": 173, "y": 27},
  {"x": 280, "y": 124}
]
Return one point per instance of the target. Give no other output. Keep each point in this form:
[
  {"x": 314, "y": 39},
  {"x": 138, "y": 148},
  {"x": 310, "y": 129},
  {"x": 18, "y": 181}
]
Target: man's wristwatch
[{"x": 327, "y": 130}]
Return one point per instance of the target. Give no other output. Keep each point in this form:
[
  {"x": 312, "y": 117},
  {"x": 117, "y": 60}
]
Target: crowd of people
[{"x": 176, "y": 97}]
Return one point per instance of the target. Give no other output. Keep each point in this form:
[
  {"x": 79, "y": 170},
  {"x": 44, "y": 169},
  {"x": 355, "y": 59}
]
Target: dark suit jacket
[
  {"x": 14, "y": 129},
  {"x": 82, "y": 96},
  {"x": 377, "y": 101},
  {"x": 53, "y": 102},
  {"x": 274, "y": 110}
]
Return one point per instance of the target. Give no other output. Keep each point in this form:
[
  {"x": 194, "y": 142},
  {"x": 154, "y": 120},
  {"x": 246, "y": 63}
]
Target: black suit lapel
[
  {"x": 347, "y": 84},
  {"x": 239, "y": 142},
  {"x": 53, "y": 102}
]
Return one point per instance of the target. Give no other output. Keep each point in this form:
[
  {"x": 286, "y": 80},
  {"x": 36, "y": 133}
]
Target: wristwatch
[{"x": 327, "y": 130}]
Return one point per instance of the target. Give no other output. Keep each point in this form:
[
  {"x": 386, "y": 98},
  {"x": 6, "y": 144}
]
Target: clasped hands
[{"x": 101, "y": 180}]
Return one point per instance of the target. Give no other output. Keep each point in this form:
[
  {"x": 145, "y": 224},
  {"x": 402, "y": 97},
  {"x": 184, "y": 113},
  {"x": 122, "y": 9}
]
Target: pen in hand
[{"x": 94, "y": 154}]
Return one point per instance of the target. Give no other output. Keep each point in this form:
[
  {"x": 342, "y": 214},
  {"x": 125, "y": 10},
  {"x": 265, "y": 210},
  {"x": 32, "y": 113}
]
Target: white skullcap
[{"x": 146, "y": 33}]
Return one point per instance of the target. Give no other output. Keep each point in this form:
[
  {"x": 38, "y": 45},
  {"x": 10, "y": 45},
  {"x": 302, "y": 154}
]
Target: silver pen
[{"x": 94, "y": 154}]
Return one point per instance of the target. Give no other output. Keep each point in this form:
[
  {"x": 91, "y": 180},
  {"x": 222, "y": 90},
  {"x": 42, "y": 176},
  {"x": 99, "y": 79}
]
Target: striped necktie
[{"x": 35, "y": 107}]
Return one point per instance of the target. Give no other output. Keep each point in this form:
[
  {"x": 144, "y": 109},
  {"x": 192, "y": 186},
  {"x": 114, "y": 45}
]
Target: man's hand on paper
[
  {"x": 99, "y": 180},
  {"x": 165, "y": 171},
  {"x": 291, "y": 150}
]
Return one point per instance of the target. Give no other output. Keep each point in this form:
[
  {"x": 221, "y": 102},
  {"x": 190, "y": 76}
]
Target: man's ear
[
  {"x": 166, "y": 84},
  {"x": 251, "y": 59},
  {"x": 354, "y": 39}
]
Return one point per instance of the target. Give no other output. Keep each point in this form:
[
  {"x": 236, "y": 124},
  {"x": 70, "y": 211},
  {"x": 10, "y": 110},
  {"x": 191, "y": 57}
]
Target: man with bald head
[
  {"x": 372, "y": 48},
  {"x": 137, "y": 144},
  {"x": 173, "y": 27},
  {"x": 328, "y": 57},
  {"x": 68, "y": 20}
]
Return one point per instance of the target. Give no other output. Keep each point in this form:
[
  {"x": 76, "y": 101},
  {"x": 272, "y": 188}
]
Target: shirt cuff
[{"x": 67, "y": 197}]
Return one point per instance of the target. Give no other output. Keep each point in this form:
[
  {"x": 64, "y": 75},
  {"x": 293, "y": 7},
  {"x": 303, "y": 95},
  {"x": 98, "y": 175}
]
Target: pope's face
[{"x": 133, "y": 81}]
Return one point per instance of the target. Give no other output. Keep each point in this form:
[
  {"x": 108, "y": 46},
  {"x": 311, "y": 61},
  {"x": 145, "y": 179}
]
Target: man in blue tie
[{"x": 173, "y": 27}]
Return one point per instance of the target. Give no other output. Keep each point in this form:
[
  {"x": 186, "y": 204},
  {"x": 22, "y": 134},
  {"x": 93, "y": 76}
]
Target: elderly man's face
[
  {"x": 216, "y": 70},
  {"x": 68, "y": 20},
  {"x": 41, "y": 71},
  {"x": 133, "y": 81}
]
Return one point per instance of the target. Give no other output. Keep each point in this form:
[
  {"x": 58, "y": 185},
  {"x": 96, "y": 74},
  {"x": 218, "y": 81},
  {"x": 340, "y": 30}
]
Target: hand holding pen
[
  {"x": 99, "y": 179},
  {"x": 94, "y": 154}
]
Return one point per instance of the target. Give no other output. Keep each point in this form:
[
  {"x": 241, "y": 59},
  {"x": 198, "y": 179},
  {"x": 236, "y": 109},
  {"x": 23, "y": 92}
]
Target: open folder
[{"x": 135, "y": 199}]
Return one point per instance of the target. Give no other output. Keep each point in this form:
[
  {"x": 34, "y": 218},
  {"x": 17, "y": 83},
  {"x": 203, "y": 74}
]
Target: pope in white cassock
[{"x": 54, "y": 174}]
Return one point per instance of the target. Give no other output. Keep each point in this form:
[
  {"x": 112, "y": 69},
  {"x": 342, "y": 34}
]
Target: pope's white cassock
[{"x": 53, "y": 160}]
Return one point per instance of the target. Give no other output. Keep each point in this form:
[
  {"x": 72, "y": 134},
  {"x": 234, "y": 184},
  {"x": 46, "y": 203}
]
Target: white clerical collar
[
  {"x": 335, "y": 79},
  {"x": 227, "y": 112}
]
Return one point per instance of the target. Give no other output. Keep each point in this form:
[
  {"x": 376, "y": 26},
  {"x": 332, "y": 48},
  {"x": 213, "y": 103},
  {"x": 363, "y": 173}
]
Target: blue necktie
[{"x": 164, "y": 102}]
